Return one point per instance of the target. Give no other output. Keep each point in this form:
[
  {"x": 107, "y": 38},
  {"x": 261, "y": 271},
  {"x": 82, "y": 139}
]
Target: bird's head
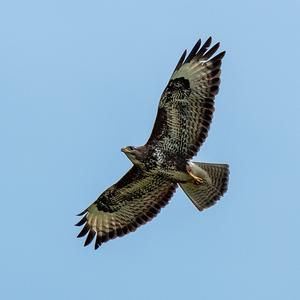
[{"x": 136, "y": 155}]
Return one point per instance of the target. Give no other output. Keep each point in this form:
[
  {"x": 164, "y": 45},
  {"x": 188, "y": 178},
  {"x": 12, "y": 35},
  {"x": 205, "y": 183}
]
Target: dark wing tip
[
  {"x": 90, "y": 237},
  {"x": 193, "y": 51},
  {"x": 82, "y": 213},
  {"x": 211, "y": 51},
  {"x": 81, "y": 222},
  {"x": 98, "y": 242},
  {"x": 221, "y": 54},
  {"x": 181, "y": 60},
  {"x": 201, "y": 52},
  {"x": 204, "y": 47},
  {"x": 84, "y": 231},
  {"x": 218, "y": 56}
]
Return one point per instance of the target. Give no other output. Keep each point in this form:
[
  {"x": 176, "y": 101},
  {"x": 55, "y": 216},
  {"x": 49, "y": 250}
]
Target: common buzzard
[{"x": 184, "y": 115}]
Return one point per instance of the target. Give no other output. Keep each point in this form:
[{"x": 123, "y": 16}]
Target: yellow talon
[{"x": 198, "y": 180}]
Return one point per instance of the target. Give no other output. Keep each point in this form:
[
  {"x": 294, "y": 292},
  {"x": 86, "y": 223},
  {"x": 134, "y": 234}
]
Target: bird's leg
[{"x": 197, "y": 180}]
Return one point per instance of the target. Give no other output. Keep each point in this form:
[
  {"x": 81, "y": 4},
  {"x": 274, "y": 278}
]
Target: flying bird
[{"x": 183, "y": 119}]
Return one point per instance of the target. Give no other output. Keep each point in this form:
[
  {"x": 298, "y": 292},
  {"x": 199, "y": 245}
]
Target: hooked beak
[{"x": 125, "y": 150}]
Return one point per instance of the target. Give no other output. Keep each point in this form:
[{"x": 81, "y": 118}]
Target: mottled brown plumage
[{"x": 184, "y": 115}]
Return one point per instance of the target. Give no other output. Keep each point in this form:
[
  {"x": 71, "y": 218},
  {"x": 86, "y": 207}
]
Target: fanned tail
[{"x": 214, "y": 185}]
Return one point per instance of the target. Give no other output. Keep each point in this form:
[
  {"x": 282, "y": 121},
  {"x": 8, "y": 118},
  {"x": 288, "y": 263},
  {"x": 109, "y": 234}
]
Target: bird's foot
[{"x": 197, "y": 180}]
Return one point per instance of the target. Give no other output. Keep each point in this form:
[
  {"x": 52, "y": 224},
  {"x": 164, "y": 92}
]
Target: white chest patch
[{"x": 159, "y": 156}]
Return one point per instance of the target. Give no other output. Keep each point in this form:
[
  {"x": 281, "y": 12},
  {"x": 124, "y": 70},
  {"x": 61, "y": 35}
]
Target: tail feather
[{"x": 212, "y": 189}]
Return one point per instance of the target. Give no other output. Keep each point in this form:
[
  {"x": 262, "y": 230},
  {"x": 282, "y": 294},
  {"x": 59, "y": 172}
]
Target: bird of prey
[{"x": 183, "y": 119}]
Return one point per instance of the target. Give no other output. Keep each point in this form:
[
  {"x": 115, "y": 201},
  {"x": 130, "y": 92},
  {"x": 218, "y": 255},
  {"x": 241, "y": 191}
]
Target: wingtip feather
[
  {"x": 90, "y": 237},
  {"x": 193, "y": 52},
  {"x": 181, "y": 60},
  {"x": 84, "y": 231},
  {"x": 81, "y": 222},
  {"x": 219, "y": 56},
  {"x": 204, "y": 47},
  {"x": 97, "y": 242},
  {"x": 82, "y": 213},
  {"x": 211, "y": 51}
]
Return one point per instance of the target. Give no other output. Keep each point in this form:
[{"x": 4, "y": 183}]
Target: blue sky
[{"x": 81, "y": 79}]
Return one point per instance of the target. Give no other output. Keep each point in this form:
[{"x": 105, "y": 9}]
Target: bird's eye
[{"x": 130, "y": 148}]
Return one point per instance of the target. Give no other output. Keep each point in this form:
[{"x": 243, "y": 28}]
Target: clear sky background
[{"x": 81, "y": 79}]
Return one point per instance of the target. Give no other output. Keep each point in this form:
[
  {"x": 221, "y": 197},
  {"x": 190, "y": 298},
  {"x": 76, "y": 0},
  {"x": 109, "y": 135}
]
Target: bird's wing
[
  {"x": 187, "y": 104},
  {"x": 134, "y": 200}
]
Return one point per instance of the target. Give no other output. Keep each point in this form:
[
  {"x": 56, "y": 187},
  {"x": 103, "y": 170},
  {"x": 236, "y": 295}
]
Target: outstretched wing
[
  {"x": 133, "y": 201},
  {"x": 187, "y": 104}
]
